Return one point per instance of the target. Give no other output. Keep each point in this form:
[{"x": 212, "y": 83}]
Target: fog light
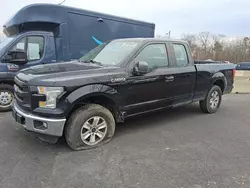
[{"x": 40, "y": 125}]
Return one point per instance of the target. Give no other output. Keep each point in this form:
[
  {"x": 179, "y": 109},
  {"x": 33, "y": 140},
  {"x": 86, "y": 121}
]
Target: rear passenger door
[{"x": 184, "y": 74}]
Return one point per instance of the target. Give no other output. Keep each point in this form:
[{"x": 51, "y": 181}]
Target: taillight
[{"x": 233, "y": 71}]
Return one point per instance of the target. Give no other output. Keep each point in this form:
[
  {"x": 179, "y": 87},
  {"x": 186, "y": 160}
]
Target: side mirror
[
  {"x": 140, "y": 68},
  {"x": 16, "y": 57}
]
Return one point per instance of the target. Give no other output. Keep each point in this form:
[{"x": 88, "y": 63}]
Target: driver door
[
  {"x": 34, "y": 48},
  {"x": 148, "y": 92}
]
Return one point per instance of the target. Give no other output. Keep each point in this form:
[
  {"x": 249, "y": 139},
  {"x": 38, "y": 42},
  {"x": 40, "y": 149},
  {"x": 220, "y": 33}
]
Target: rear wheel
[
  {"x": 6, "y": 97},
  {"x": 212, "y": 101},
  {"x": 89, "y": 127}
]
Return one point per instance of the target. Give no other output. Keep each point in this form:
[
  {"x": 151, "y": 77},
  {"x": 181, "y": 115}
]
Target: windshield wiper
[{"x": 92, "y": 61}]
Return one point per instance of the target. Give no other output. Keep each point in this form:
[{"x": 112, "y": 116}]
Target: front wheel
[
  {"x": 90, "y": 126},
  {"x": 6, "y": 97},
  {"x": 212, "y": 101}
]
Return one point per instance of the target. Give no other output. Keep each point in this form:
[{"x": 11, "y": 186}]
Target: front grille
[{"x": 22, "y": 93}]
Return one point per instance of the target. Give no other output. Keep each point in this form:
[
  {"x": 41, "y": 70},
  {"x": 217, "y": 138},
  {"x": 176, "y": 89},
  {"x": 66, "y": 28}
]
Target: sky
[{"x": 228, "y": 17}]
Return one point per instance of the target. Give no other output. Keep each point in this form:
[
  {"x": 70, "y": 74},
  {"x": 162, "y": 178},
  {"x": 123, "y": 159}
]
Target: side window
[
  {"x": 19, "y": 46},
  {"x": 155, "y": 55},
  {"x": 180, "y": 55},
  {"x": 35, "y": 48}
]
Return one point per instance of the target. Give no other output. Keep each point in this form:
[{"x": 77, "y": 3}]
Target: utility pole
[{"x": 168, "y": 34}]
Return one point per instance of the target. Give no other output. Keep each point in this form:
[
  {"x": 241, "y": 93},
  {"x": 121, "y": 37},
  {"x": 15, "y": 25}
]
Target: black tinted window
[
  {"x": 155, "y": 55},
  {"x": 180, "y": 55}
]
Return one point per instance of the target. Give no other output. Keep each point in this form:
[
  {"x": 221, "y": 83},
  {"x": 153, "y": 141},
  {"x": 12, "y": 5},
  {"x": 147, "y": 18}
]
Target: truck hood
[{"x": 69, "y": 74}]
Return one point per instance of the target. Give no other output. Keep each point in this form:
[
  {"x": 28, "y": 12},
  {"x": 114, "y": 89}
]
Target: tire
[
  {"x": 209, "y": 107},
  {"x": 77, "y": 123},
  {"x": 6, "y": 90}
]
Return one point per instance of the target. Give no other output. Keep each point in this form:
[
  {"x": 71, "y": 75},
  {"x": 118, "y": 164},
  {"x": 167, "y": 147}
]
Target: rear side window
[{"x": 180, "y": 55}]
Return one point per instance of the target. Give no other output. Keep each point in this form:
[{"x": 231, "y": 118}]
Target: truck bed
[
  {"x": 206, "y": 62},
  {"x": 207, "y": 73}
]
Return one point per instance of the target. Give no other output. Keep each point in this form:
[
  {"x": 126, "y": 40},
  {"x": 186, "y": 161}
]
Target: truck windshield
[
  {"x": 5, "y": 42},
  {"x": 110, "y": 53}
]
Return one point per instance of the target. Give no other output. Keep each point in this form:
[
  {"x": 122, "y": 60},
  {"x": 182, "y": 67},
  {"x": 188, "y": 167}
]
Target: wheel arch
[
  {"x": 220, "y": 80},
  {"x": 97, "y": 94},
  {"x": 7, "y": 82}
]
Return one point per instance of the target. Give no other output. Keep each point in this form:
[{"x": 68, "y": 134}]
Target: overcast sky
[{"x": 229, "y": 17}]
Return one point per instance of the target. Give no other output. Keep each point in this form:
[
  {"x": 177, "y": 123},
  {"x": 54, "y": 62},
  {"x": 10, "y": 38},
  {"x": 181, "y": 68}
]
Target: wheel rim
[
  {"x": 215, "y": 99},
  {"x": 6, "y": 99},
  {"x": 94, "y": 130}
]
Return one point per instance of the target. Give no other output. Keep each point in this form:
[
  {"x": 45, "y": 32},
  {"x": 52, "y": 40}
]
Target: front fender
[{"x": 92, "y": 90}]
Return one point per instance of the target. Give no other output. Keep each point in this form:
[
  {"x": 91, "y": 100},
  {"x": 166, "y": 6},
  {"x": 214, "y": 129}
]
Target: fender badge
[{"x": 114, "y": 80}]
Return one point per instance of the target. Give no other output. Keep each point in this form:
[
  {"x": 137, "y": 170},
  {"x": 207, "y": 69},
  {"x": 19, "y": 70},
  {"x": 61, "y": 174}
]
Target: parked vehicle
[
  {"x": 243, "y": 66},
  {"x": 53, "y": 33},
  {"x": 84, "y": 99}
]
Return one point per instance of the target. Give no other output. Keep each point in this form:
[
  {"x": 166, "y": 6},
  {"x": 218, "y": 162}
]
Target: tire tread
[
  {"x": 9, "y": 88},
  {"x": 83, "y": 113},
  {"x": 204, "y": 104}
]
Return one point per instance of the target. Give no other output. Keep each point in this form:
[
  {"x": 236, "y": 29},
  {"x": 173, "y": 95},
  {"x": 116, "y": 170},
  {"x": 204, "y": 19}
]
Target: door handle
[
  {"x": 169, "y": 78},
  {"x": 144, "y": 80}
]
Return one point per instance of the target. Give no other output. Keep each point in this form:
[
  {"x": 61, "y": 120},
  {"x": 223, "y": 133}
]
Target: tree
[
  {"x": 218, "y": 47},
  {"x": 205, "y": 39},
  {"x": 190, "y": 39}
]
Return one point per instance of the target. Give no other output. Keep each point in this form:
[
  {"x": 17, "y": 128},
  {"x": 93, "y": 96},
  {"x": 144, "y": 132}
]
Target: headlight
[{"x": 51, "y": 94}]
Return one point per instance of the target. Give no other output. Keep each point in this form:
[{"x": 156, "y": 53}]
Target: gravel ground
[{"x": 177, "y": 148}]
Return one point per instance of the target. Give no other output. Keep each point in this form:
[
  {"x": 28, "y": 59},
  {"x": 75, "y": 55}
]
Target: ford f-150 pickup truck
[{"x": 84, "y": 99}]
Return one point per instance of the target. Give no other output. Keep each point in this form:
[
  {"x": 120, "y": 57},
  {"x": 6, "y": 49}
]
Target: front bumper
[{"x": 30, "y": 122}]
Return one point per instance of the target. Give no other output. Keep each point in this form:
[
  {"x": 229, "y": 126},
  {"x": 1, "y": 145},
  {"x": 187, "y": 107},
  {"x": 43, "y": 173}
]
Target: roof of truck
[
  {"x": 56, "y": 14},
  {"x": 151, "y": 39}
]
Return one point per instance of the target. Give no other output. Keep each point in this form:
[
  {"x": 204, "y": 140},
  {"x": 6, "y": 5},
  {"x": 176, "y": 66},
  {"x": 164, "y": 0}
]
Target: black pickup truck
[{"x": 84, "y": 99}]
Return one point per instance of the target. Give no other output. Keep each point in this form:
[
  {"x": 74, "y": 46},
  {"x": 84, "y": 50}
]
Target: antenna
[{"x": 61, "y": 2}]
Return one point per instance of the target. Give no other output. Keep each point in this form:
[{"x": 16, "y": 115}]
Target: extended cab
[{"x": 84, "y": 99}]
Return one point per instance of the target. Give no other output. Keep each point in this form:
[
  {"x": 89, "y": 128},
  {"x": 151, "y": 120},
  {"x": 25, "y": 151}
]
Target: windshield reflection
[
  {"x": 5, "y": 42},
  {"x": 110, "y": 53}
]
